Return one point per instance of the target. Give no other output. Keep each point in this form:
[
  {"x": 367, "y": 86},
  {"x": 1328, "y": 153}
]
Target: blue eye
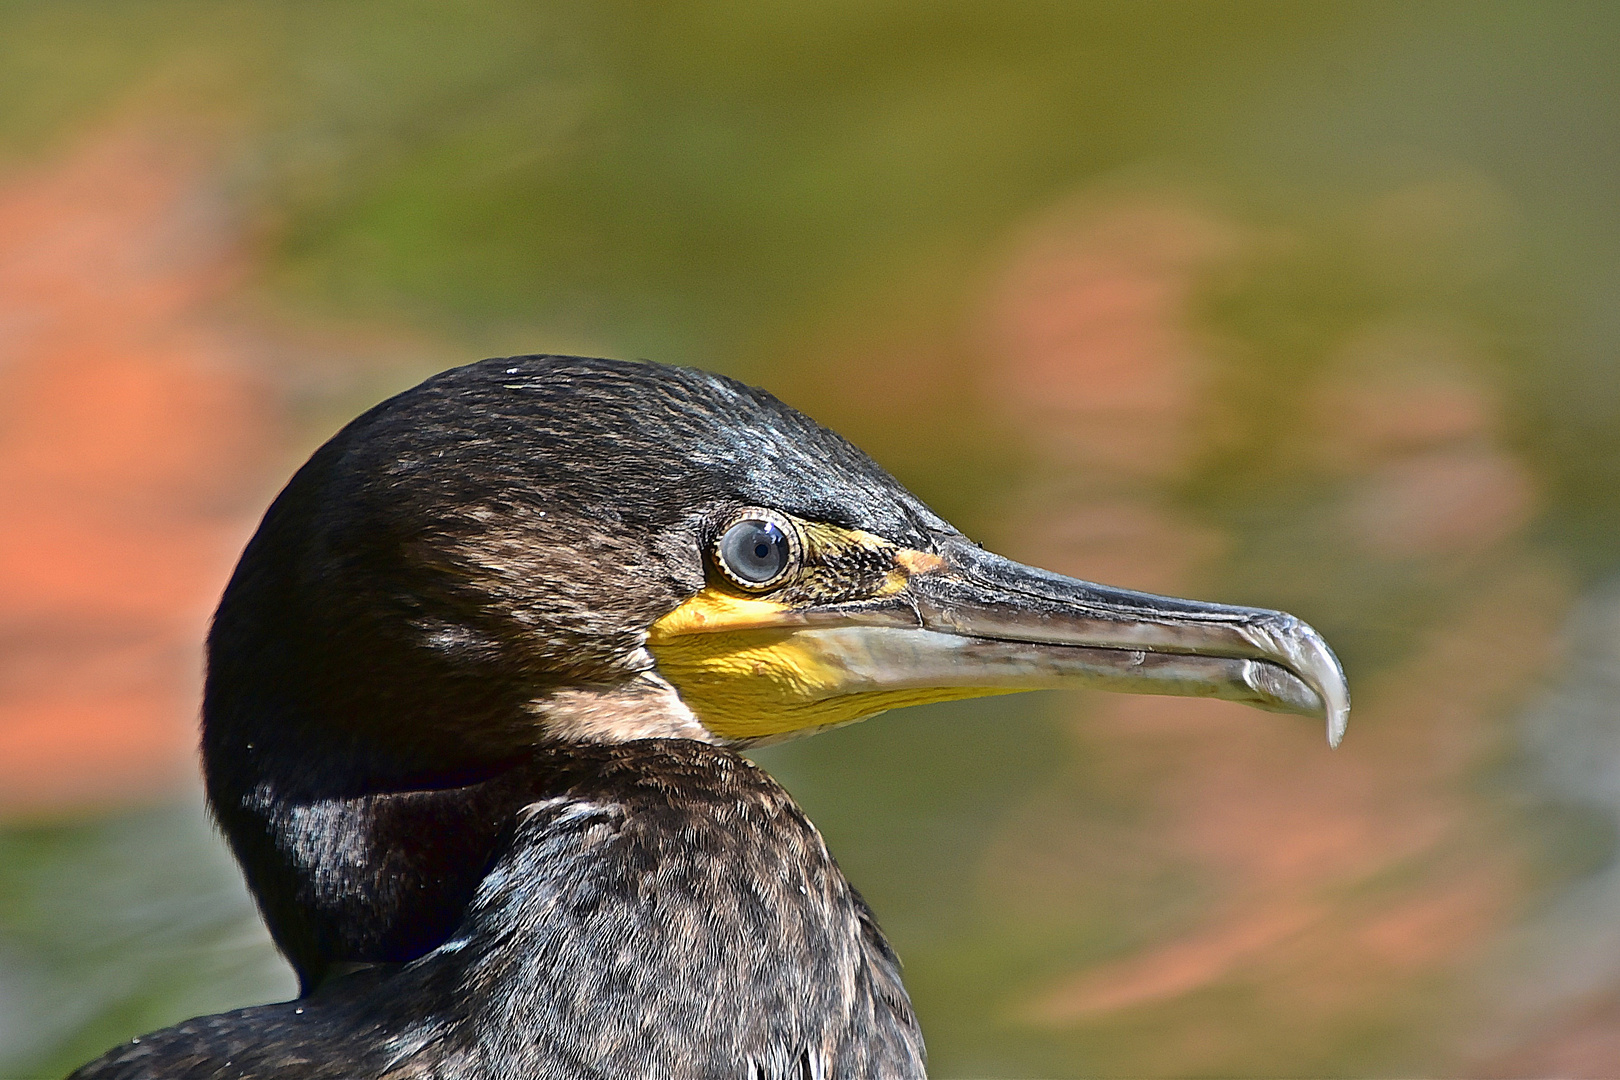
[{"x": 756, "y": 551}]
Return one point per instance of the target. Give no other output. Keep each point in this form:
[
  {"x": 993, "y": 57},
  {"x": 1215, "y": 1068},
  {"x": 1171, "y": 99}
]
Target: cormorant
[{"x": 476, "y": 693}]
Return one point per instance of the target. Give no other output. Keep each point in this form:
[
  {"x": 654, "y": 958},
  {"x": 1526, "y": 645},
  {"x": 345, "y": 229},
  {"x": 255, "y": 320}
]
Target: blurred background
[{"x": 1310, "y": 306}]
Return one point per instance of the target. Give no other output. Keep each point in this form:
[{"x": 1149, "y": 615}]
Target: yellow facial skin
[
  {"x": 857, "y": 625},
  {"x": 762, "y": 681},
  {"x": 748, "y": 671}
]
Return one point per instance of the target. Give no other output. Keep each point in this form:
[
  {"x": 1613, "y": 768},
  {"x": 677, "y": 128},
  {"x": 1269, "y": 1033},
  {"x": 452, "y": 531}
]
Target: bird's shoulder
[
  {"x": 669, "y": 912},
  {"x": 687, "y": 920}
]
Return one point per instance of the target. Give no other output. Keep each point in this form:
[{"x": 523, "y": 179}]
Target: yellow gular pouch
[
  {"x": 748, "y": 672},
  {"x": 763, "y": 682}
]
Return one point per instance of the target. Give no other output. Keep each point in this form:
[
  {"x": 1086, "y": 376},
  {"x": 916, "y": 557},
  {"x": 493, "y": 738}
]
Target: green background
[{"x": 787, "y": 191}]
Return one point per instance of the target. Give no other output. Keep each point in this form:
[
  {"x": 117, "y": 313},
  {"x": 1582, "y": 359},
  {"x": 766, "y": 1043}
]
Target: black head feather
[{"x": 497, "y": 537}]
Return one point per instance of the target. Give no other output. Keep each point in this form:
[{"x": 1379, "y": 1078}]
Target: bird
[{"x": 476, "y": 701}]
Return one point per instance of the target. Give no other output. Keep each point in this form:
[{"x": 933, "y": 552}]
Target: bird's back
[{"x": 668, "y": 911}]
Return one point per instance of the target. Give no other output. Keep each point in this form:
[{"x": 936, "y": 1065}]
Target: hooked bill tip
[
  {"x": 1338, "y": 719},
  {"x": 1328, "y": 675},
  {"x": 1308, "y": 655}
]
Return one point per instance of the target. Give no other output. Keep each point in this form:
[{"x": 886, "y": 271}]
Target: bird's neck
[
  {"x": 670, "y": 911},
  {"x": 667, "y": 911},
  {"x": 371, "y": 850}
]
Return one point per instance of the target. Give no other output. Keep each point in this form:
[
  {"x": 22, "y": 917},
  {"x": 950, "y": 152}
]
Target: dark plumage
[
  {"x": 665, "y": 871},
  {"x": 474, "y": 697},
  {"x": 458, "y": 562}
]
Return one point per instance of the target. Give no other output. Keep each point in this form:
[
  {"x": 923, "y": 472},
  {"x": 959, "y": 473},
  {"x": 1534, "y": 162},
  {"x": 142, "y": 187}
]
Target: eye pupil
[{"x": 754, "y": 552}]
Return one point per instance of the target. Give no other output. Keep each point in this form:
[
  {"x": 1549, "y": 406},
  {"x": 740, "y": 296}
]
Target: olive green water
[{"x": 1295, "y": 224}]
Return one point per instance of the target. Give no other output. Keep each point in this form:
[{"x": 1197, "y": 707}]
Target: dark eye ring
[{"x": 758, "y": 548}]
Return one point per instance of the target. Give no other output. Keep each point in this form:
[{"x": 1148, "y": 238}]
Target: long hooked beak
[
  {"x": 965, "y": 622},
  {"x": 993, "y": 622}
]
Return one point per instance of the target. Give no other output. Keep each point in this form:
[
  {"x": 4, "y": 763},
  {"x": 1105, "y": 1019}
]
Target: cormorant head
[
  {"x": 540, "y": 548},
  {"x": 546, "y": 551}
]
